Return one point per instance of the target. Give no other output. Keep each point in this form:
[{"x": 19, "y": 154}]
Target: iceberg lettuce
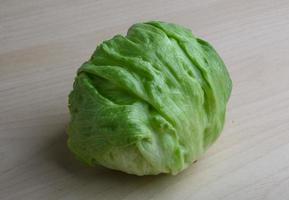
[{"x": 150, "y": 102}]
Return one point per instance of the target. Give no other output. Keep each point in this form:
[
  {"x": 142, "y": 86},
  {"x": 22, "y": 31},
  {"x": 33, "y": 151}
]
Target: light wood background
[{"x": 43, "y": 42}]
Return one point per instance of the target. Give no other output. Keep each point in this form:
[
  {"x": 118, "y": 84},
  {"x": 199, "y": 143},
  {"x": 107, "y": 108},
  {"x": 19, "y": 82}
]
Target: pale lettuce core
[{"x": 150, "y": 102}]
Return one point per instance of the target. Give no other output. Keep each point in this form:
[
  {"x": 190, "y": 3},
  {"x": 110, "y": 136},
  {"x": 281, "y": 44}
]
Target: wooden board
[{"x": 42, "y": 43}]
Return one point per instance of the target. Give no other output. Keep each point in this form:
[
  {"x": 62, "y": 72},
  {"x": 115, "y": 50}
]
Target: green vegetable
[{"x": 150, "y": 102}]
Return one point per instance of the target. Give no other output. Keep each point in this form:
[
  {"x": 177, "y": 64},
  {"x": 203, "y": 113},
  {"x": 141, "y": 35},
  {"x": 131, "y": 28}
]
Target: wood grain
[{"x": 42, "y": 43}]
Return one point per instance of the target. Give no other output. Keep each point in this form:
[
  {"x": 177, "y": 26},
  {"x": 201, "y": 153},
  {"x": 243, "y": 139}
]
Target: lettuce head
[{"x": 150, "y": 102}]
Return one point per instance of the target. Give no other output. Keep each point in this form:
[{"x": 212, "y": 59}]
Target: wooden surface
[{"x": 42, "y": 43}]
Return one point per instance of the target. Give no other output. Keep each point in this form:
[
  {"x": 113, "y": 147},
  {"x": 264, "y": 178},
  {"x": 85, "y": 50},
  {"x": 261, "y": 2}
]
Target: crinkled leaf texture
[{"x": 150, "y": 102}]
